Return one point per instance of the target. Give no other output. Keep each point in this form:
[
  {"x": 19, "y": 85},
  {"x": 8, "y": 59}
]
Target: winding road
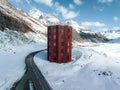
[{"x": 33, "y": 74}]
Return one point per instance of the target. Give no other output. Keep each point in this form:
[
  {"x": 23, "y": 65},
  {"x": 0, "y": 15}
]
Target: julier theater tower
[{"x": 59, "y": 43}]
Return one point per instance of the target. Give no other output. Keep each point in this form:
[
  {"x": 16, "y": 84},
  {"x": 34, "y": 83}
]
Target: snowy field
[
  {"x": 14, "y": 47},
  {"x": 12, "y": 63},
  {"x": 93, "y": 67}
]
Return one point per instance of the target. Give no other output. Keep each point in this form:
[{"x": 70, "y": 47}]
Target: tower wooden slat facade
[{"x": 59, "y": 43}]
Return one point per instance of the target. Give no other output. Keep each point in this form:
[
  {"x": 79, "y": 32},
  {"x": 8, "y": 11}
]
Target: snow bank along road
[{"x": 34, "y": 74}]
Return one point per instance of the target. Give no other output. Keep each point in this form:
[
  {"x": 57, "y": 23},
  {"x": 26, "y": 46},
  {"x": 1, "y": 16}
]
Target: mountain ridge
[
  {"x": 49, "y": 19},
  {"x": 34, "y": 24}
]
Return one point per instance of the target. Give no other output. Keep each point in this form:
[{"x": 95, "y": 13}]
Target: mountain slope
[
  {"x": 113, "y": 35},
  {"x": 46, "y": 19},
  {"x": 35, "y": 27},
  {"x": 81, "y": 33},
  {"x": 76, "y": 26},
  {"x": 16, "y": 19}
]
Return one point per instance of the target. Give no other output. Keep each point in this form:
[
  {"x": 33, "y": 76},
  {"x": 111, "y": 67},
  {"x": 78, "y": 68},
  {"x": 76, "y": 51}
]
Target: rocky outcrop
[
  {"x": 12, "y": 23},
  {"x": 8, "y": 18},
  {"x": 89, "y": 37},
  {"x": 76, "y": 36},
  {"x": 93, "y": 37},
  {"x": 16, "y": 19}
]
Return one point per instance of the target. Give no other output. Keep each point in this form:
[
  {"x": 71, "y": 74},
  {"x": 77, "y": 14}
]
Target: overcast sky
[{"x": 94, "y": 14}]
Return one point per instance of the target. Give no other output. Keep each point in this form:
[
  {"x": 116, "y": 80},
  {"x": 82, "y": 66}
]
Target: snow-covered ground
[
  {"x": 94, "y": 67},
  {"x": 12, "y": 63},
  {"x": 14, "y": 47}
]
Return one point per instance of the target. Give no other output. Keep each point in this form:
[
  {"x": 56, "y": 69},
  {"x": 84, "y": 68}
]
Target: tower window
[
  {"x": 68, "y": 57},
  {"x": 54, "y": 30},
  {"x": 54, "y": 58},
  {"x": 54, "y": 36},
  {"x": 68, "y": 44},
  {"x": 62, "y": 36},
  {"x": 62, "y": 30},
  {"x": 54, "y": 50},
  {"x": 68, "y": 30},
  {"x": 54, "y": 43},
  {"x": 62, "y": 43},
  {"x": 62, "y": 59},
  {"x": 68, "y": 37},
  {"x": 49, "y": 30},
  {"x": 62, "y": 51},
  {"x": 68, "y": 50}
]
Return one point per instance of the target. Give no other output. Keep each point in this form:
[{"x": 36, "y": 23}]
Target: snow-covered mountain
[
  {"x": 46, "y": 19},
  {"x": 112, "y": 34},
  {"x": 49, "y": 19},
  {"x": 81, "y": 33},
  {"x": 35, "y": 27},
  {"x": 78, "y": 30},
  {"x": 17, "y": 20},
  {"x": 76, "y": 26}
]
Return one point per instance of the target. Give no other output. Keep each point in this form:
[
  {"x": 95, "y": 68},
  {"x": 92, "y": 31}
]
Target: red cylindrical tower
[{"x": 59, "y": 43}]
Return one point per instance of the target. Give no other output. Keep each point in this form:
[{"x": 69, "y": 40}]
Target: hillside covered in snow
[
  {"x": 17, "y": 20},
  {"x": 78, "y": 30},
  {"x": 46, "y": 19},
  {"x": 114, "y": 35}
]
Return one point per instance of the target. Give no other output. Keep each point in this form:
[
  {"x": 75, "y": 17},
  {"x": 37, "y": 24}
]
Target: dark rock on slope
[
  {"x": 90, "y": 37},
  {"x": 93, "y": 37},
  {"x": 12, "y": 23},
  {"x": 15, "y": 19}
]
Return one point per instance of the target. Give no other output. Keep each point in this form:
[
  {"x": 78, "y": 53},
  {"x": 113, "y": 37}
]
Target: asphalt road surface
[{"x": 33, "y": 74}]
